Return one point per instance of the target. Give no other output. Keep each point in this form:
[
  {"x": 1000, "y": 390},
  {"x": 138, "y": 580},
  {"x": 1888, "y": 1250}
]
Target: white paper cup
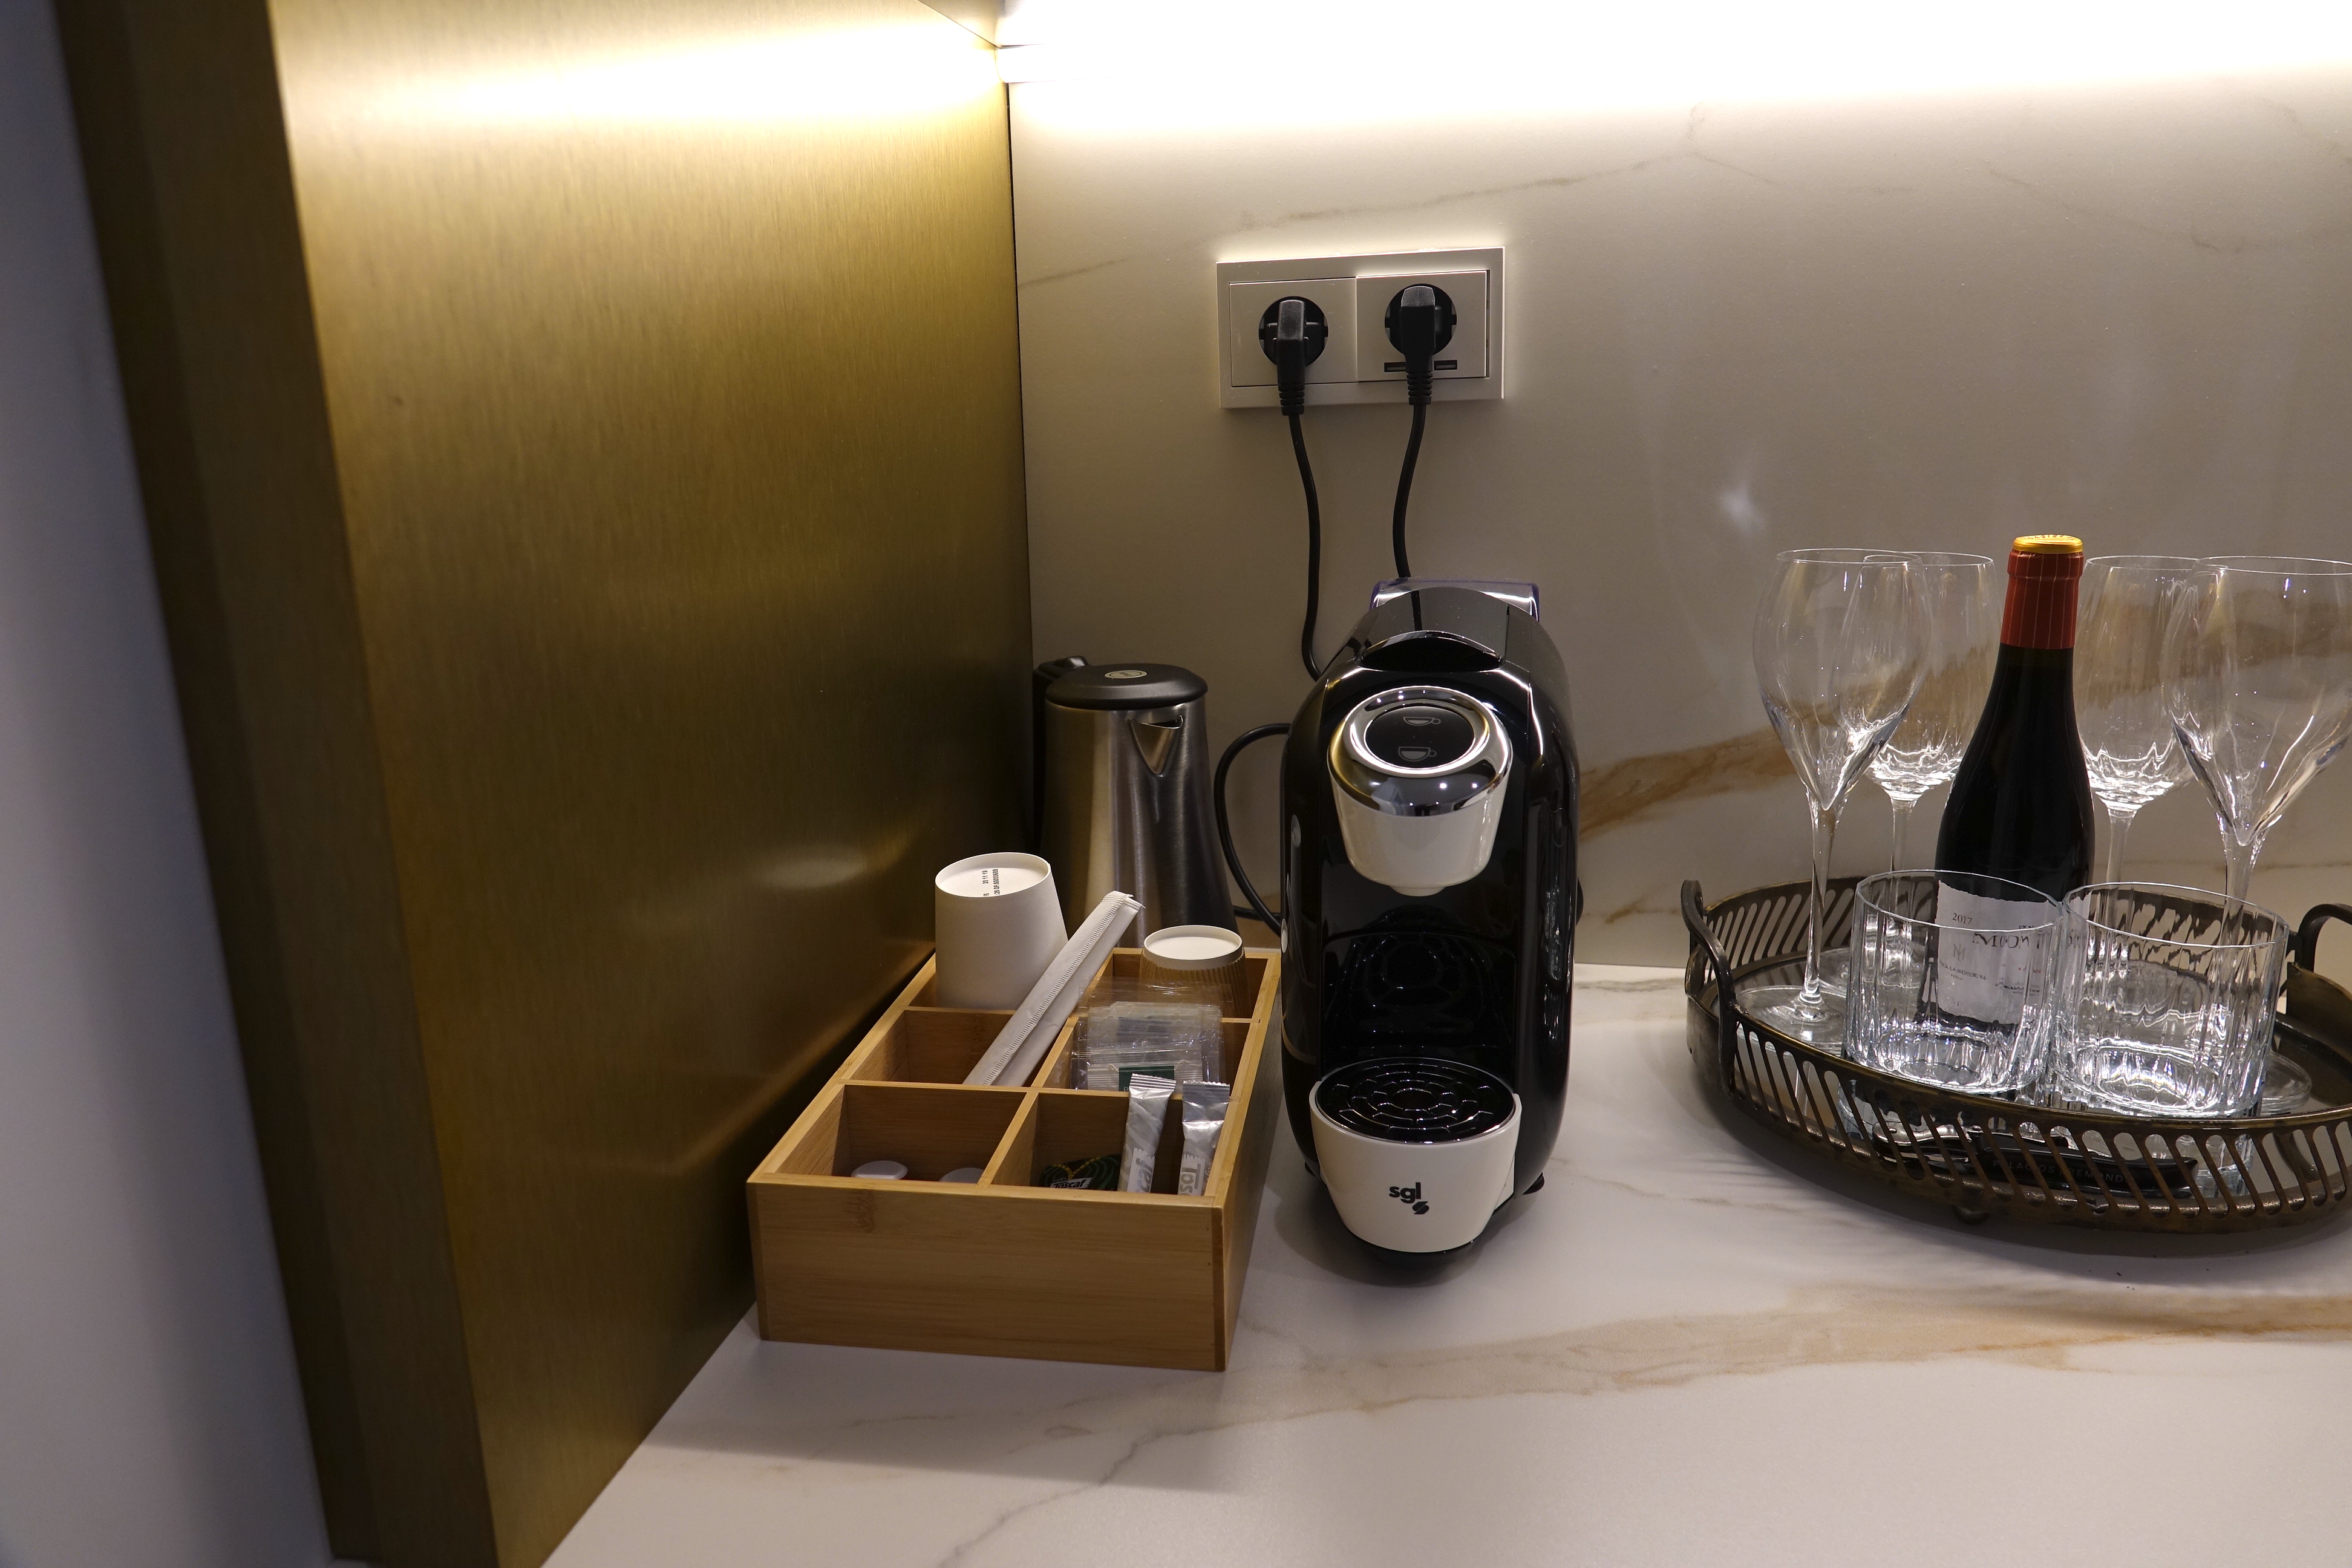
[{"x": 999, "y": 924}]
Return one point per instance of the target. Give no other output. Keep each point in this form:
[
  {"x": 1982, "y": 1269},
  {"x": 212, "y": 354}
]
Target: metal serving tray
[{"x": 1985, "y": 1157}]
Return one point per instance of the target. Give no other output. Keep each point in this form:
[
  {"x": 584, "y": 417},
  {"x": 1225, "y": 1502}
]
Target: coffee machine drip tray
[{"x": 1415, "y": 1099}]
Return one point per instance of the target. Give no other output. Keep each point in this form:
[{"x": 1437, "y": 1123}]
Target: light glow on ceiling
[{"x": 1127, "y": 63}]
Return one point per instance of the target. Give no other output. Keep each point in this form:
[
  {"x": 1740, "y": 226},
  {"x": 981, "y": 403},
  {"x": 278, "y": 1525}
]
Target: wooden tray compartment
[
  {"x": 927, "y": 1044},
  {"x": 1004, "y": 1267},
  {"x": 1058, "y": 1070},
  {"x": 928, "y": 1129}
]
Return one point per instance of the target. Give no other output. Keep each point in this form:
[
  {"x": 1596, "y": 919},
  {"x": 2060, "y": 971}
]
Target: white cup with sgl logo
[{"x": 1417, "y": 1152}]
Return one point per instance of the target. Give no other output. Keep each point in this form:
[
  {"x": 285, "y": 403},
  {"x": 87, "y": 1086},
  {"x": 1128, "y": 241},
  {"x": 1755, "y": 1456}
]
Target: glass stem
[
  {"x": 1902, "y": 825},
  {"x": 2240, "y": 858},
  {"x": 2119, "y": 821},
  {"x": 1809, "y": 1000}
]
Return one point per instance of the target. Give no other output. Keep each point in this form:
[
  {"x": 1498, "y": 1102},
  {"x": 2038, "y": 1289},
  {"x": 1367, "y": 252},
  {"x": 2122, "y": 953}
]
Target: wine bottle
[{"x": 2021, "y": 804}]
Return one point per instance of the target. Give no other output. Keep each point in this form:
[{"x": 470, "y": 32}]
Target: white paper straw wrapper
[{"x": 1021, "y": 1044}]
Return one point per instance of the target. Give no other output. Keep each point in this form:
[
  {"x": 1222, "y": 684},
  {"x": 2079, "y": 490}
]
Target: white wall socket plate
[{"x": 1354, "y": 292}]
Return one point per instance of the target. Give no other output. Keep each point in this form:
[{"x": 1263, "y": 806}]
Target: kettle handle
[
  {"x": 1224, "y": 824},
  {"x": 1043, "y": 676}
]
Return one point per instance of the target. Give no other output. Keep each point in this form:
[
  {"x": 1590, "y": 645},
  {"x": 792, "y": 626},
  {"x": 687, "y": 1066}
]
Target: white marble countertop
[{"x": 1681, "y": 1352}]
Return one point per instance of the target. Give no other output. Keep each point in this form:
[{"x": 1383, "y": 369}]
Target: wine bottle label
[{"x": 1986, "y": 970}]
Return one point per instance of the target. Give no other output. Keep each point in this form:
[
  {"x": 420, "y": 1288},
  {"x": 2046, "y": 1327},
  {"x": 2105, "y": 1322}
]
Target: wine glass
[
  {"x": 1957, "y": 620},
  {"x": 1838, "y": 651},
  {"x": 2128, "y": 746},
  {"x": 2258, "y": 684}
]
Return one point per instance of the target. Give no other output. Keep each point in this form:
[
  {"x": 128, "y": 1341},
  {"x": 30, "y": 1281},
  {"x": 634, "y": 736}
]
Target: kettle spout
[{"x": 1155, "y": 732}]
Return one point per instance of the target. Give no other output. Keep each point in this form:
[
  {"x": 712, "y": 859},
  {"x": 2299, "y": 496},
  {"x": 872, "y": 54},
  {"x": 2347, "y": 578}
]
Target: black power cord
[
  {"x": 1225, "y": 825},
  {"x": 1293, "y": 331},
  {"x": 1404, "y": 488},
  {"x": 1313, "y": 550},
  {"x": 1420, "y": 322}
]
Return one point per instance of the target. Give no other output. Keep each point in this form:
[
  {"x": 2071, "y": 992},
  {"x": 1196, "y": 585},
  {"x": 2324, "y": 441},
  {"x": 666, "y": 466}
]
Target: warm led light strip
[{"x": 1210, "y": 61}]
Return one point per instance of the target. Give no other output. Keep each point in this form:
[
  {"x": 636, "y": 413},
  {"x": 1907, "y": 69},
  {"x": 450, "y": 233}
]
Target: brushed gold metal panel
[
  {"x": 185, "y": 154},
  {"x": 670, "y": 365},
  {"x": 593, "y": 623}
]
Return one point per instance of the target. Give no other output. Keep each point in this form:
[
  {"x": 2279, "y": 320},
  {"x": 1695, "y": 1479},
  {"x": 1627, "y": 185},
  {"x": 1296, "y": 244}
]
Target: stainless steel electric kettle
[{"x": 1123, "y": 785}]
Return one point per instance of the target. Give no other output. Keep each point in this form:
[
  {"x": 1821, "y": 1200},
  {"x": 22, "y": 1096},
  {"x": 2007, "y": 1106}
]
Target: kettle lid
[{"x": 1115, "y": 685}]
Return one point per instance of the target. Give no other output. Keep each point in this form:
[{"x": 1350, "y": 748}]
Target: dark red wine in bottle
[{"x": 2021, "y": 804}]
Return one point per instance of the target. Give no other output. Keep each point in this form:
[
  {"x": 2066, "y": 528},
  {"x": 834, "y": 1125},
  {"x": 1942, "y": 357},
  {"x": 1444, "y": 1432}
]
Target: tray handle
[
  {"x": 1702, "y": 939},
  {"x": 2303, "y": 950}
]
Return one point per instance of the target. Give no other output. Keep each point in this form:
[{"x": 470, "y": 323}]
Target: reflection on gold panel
[{"x": 669, "y": 353}]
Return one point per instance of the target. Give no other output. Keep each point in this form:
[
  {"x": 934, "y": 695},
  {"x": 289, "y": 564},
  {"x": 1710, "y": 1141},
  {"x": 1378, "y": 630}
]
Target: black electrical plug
[
  {"x": 1293, "y": 331},
  {"x": 1420, "y": 322}
]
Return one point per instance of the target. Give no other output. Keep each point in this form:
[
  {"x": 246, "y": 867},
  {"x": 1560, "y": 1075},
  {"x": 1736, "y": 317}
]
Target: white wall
[
  {"x": 1747, "y": 311},
  {"x": 149, "y": 1412}
]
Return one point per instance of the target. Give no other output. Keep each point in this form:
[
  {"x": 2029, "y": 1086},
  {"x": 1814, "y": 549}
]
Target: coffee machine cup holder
[{"x": 1417, "y": 1152}]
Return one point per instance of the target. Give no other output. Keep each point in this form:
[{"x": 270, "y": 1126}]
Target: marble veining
[
  {"x": 1682, "y": 1350},
  {"x": 1926, "y": 320},
  {"x": 1625, "y": 791}
]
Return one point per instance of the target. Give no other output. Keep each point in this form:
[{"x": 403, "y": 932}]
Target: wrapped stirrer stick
[{"x": 1021, "y": 1044}]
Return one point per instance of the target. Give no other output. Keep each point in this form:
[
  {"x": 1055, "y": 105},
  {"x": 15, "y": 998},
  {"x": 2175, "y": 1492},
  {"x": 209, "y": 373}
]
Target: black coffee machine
[{"x": 1430, "y": 902}]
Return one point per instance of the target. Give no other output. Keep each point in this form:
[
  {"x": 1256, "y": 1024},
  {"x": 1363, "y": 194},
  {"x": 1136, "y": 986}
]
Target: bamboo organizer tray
[{"x": 1003, "y": 1266}]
